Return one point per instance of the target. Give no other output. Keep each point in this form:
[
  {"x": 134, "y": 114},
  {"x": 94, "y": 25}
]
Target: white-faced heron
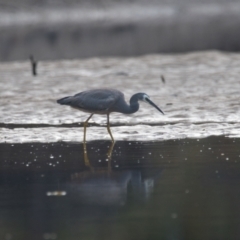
[{"x": 105, "y": 101}]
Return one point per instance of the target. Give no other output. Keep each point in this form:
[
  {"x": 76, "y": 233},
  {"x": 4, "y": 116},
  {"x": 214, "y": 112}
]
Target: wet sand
[{"x": 200, "y": 97}]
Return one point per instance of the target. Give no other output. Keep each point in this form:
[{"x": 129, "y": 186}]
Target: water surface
[{"x": 175, "y": 189}]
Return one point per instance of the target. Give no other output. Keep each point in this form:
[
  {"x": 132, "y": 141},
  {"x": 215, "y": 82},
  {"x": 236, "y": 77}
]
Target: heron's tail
[{"x": 64, "y": 101}]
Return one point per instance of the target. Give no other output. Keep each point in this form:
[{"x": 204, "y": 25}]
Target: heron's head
[{"x": 145, "y": 98}]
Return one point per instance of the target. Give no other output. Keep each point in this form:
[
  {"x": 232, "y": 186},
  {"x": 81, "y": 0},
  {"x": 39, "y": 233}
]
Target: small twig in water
[
  {"x": 163, "y": 79},
  {"x": 34, "y": 65}
]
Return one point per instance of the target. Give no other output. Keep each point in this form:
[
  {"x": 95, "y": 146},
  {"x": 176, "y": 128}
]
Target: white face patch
[{"x": 144, "y": 97}]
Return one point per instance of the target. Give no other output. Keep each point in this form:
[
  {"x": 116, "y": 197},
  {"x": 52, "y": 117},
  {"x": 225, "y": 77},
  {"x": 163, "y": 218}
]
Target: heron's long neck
[
  {"x": 128, "y": 109},
  {"x": 123, "y": 107},
  {"x": 134, "y": 105}
]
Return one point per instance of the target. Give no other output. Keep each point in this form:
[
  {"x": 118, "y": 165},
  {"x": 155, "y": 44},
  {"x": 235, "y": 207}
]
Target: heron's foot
[
  {"x": 85, "y": 155},
  {"x": 86, "y": 160},
  {"x": 109, "y": 156},
  {"x": 109, "y": 153}
]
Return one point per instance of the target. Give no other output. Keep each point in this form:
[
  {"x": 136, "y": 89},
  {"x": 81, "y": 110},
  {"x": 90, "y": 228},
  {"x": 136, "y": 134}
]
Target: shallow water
[{"x": 175, "y": 189}]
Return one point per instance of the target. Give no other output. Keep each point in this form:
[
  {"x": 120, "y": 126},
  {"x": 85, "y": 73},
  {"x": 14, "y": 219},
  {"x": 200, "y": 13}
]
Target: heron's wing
[{"x": 101, "y": 100}]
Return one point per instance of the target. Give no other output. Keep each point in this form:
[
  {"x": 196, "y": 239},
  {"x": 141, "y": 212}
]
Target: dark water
[{"x": 178, "y": 189}]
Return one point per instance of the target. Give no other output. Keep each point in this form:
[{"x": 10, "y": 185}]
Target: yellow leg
[
  {"x": 85, "y": 124},
  {"x": 86, "y": 160},
  {"x": 109, "y": 154},
  {"x": 108, "y": 128},
  {"x": 85, "y": 155}
]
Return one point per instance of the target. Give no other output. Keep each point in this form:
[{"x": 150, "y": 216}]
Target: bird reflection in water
[
  {"x": 110, "y": 189},
  {"x": 114, "y": 183}
]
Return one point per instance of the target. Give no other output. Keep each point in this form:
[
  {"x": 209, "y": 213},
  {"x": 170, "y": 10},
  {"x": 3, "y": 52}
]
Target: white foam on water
[{"x": 128, "y": 133}]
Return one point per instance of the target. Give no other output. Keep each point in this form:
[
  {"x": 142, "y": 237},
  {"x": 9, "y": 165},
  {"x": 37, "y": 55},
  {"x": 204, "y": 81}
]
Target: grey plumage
[
  {"x": 94, "y": 101},
  {"x": 105, "y": 101}
]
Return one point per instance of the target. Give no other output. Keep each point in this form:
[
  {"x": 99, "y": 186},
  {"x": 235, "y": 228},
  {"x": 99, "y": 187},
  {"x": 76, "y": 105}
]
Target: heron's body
[
  {"x": 99, "y": 101},
  {"x": 105, "y": 101}
]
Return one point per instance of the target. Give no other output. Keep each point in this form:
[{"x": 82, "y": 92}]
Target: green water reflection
[{"x": 178, "y": 189}]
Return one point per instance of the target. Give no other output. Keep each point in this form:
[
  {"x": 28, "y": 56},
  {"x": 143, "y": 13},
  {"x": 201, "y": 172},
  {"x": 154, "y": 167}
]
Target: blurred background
[{"x": 66, "y": 29}]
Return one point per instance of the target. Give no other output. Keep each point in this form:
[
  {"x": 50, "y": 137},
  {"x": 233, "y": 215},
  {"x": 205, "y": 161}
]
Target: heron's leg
[
  {"x": 108, "y": 128},
  {"x": 85, "y": 155},
  {"x": 86, "y": 160},
  {"x": 85, "y": 124},
  {"x": 109, "y": 154}
]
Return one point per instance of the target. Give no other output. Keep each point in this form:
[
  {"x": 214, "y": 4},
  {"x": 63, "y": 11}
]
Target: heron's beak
[{"x": 154, "y": 105}]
